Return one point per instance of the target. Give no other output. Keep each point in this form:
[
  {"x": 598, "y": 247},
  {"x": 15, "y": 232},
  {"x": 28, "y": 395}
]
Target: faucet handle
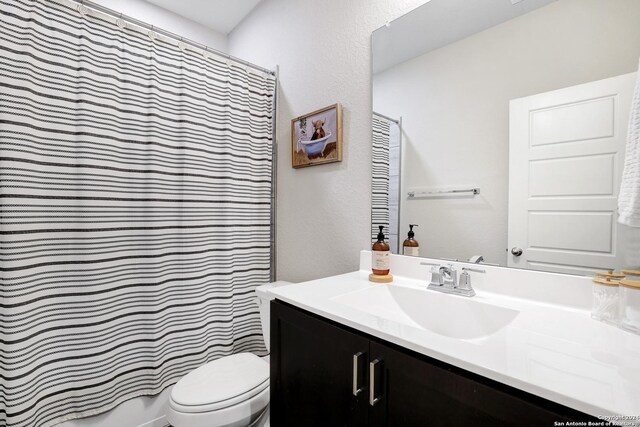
[
  {"x": 477, "y": 270},
  {"x": 464, "y": 282},
  {"x": 465, "y": 278},
  {"x": 436, "y": 276},
  {"x": 435, "y": 267}
]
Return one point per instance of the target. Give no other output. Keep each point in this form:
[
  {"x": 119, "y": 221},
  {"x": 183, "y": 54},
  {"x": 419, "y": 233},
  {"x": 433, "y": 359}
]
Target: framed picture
[{"x": 316, "y": 138}]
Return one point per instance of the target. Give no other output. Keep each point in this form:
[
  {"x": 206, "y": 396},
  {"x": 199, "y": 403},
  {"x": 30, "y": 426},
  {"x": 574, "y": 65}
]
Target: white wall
[
  {"x": 162, "y": 18},
  {"x": 454, "y": 103},
  {"x": 323, "y": 51}
]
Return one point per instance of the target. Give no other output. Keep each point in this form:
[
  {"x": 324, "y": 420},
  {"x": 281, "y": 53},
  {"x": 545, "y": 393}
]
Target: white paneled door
[{"x": 566, "y": 155}]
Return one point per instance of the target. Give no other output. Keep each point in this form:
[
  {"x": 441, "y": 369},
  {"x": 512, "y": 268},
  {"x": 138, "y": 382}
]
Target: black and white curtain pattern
[
  {"x": 381, "y": 129},
  {"x": 135, "y": 203}
]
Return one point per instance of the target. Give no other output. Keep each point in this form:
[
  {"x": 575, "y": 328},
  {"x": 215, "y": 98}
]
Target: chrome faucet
[
  {"x": 476, "y": 259},
  {"x": 449, "y": 276},
  {"x": 445, "y": 279}
]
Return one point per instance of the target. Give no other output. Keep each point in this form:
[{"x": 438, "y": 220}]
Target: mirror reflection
[
  {"x": 511, "y": 122},
  {"x": 386, "y": 135}
]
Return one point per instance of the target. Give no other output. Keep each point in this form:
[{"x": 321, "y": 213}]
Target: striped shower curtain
[
  {"x": 135, "y": 204},
  {"x": 381, "y": 129}
]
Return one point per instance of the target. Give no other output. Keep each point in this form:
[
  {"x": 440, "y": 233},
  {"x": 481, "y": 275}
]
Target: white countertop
[{"x": 554, "y": 351}]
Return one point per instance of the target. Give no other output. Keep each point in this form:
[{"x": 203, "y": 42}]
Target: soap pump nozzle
[
  {"x": 410, "y": 234},
  {"x": 381, "y": 234}
]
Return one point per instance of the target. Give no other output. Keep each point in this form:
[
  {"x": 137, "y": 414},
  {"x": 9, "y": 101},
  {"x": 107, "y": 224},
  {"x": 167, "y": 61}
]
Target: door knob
[{"x": 516, "y": 251}]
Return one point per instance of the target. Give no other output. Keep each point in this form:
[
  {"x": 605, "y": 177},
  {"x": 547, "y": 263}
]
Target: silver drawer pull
[
  {"x": 356, "y": 369},
  {"x": 372, "y": 383}
]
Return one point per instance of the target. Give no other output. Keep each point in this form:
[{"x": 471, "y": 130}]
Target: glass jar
[
  {"x": 605, "y": 300},
  {"x": 629, "y": 314}
]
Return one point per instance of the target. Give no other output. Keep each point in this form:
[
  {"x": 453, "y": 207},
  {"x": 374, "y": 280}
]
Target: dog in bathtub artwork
[{"x": 316, "y": 137}]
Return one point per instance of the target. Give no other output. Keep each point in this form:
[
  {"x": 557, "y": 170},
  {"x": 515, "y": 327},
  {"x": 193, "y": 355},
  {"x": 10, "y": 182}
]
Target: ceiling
[
  {"x": 220, "y": 15},
  {"x": 439, "y": 23}
]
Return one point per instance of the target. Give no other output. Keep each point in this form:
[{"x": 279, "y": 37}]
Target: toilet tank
[{"x": 264, "y": 298}]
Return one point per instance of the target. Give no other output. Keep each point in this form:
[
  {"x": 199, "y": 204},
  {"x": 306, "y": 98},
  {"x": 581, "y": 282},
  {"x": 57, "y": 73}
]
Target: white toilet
[{"x": 232, "y": 391}]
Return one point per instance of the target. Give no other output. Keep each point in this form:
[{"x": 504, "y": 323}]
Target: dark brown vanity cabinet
[
  {"x": 312, "y": 371},
  {"x": 322, "y": 374}
]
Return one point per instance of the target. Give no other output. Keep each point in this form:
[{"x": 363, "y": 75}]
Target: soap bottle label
[
  {"x": 380, "y": 260},
  {"x": 411, "y": 250}
]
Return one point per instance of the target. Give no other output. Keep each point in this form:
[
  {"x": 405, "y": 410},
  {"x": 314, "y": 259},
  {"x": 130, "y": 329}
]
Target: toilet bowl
[{"x": 232, "y": 391}]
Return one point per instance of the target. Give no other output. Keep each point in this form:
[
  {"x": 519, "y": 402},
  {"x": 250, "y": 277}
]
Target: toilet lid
[{"x": 221, "y": 380}]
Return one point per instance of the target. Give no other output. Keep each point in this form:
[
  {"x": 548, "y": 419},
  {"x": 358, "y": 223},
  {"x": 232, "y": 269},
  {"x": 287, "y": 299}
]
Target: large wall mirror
[{"x": 499, "y": 127}]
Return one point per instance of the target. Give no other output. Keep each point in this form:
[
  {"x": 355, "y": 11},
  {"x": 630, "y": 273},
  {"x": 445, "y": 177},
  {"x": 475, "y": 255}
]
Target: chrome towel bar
[{"x": 435, "y": 193}]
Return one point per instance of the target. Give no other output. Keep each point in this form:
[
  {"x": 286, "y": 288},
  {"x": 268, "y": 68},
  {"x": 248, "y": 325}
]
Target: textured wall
[{"x": 323, "y": 50}]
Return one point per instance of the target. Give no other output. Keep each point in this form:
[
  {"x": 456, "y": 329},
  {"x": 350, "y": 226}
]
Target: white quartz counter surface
[{"x": 553, "y": 351}]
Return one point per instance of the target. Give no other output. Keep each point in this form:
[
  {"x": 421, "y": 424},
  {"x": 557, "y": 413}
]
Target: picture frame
[{"x": 316, "y": 137}]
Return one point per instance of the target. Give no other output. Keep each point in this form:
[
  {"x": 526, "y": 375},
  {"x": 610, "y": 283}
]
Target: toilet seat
[
  {"x": 225, "y": 403},
  {"x": 247, "y": 413},
  {"x": 230, "y": 391}
]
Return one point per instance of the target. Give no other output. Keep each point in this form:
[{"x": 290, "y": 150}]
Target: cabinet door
[
  {"x": 414, "y": 390},
  {"x": 312, "y": 371}
]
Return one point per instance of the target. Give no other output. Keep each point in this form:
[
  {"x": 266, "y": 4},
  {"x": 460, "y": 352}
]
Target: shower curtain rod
[
  {"x": 396, "y": 121},
  {"x": 169, "y": 34}
]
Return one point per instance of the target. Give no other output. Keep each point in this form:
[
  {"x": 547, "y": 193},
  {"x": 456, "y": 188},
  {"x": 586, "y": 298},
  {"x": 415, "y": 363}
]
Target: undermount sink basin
[{"x": 448, "y": 315}]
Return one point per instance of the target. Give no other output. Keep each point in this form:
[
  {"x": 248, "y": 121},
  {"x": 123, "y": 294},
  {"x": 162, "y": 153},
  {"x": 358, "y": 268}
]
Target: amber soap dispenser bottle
[
  {"x": 410, "y": 246},
  {"x": 380, "y": 255}
]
